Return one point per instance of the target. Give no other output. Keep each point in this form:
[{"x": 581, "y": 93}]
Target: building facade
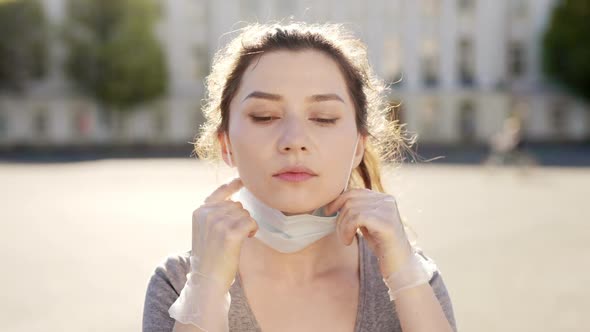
[{"x": 458, "y": 69}]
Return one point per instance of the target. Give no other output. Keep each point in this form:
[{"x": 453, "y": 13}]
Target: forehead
[{"x": 294, "y": 74}]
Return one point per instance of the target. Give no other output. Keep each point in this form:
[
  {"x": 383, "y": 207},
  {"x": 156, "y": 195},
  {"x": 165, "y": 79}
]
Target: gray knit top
[{"x": 375, "y": 313}]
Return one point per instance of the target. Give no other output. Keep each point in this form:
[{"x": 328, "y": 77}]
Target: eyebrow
[{"x": 313, "y": 98}]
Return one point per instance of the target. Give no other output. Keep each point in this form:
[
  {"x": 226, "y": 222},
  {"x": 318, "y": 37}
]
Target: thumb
[{"x": 225, "y": 191}]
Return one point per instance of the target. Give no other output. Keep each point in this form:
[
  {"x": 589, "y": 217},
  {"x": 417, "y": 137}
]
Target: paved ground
[{"x": 80, "y": 240}]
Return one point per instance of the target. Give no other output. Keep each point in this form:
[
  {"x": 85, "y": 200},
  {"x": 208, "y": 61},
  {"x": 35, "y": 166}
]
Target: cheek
[
  {"x": 338, "y": 159},
  {"x": 252, "y": 157},
  {"x": 339, "y": 150},
  {"x": 244, "y": 140},
  {"x": 245, "y": 129},
  {"x": 337, "y": 163}
]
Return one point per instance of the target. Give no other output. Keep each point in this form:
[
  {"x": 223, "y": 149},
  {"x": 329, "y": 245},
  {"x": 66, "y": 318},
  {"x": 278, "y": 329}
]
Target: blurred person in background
[
  {"x": 306, "y": 238},
  {"x": 507, "y": 145}
]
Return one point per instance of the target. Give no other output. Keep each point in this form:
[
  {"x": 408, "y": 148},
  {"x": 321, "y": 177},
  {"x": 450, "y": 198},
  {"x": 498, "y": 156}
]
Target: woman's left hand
[{"x": 377, "y": 216}]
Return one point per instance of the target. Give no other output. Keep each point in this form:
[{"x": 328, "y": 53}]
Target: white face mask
[{"x": 287, "y": 234}]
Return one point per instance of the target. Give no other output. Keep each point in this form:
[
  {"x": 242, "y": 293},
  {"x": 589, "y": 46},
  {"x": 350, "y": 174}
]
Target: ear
[
  {"x": 224, "y": 149},
  {"x": 360, "y": 151}
]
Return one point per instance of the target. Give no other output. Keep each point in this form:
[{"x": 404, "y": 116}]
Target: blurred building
[{"x": 464, "y": 65}]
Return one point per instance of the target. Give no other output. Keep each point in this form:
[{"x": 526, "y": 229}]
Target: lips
[
  {"x": 296, "y": 173},
  {"x": 294, "y": 177},
  {"x": 296, "y": 169}
]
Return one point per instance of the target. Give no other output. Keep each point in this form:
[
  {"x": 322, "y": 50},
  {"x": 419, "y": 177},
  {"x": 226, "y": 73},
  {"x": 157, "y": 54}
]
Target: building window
[
  {"x": 516, "y": 59},
  {"x": 430, "y": 63},
  {"x": 466, "y": 63},
  {"x": 201, "y": 55},
  {"x": 431, "y": 8},
  {"x": 559, "y": 116},
  {"x": 430, "y": 122},
  {"x": 519, "y": 9},
  {"x": 430, "y": 70},
  {"x": 3, "y": 124},
  {"x": 467, "y": 121},
  {"x": 466, "y": 5},
  {"x": 40, "y": 122},
  {"x": 392, "y": 61}
]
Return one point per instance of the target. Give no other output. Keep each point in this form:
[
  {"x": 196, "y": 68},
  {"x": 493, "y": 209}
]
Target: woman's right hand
[{"x": 220, "y": 226}]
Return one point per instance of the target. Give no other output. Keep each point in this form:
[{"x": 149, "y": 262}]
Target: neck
[{"x": 325, "y": 256}]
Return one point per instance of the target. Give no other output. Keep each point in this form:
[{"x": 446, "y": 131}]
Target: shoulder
[
  {"x": 173, "y": 269},
  {"x": 164, "y": 286}
]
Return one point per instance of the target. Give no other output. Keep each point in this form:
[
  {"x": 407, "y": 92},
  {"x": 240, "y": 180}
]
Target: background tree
[
  {"x": 566, "y": 46},
  {"x": 113, "y": 54},
  {"x": 23, "y": 45}
]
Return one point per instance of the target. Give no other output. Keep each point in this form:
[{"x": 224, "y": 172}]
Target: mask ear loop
[
  {"x": 227, "y": 150},
  {"x": 351, "y": 162}
]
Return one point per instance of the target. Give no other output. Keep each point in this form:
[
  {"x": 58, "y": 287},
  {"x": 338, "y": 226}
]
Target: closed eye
[
  {"x": 325, "y": 120},
  {"x": 262, "y": 119}
]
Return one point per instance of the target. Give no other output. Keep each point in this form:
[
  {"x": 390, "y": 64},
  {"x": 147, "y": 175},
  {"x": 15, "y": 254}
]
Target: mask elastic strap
[
  {"x": 227, "y": 150},
  {"x": 351, "y": 162}
]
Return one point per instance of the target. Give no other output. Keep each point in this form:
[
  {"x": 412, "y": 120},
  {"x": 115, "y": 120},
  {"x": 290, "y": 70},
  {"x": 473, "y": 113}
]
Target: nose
[{"x": 294, "y": 137}]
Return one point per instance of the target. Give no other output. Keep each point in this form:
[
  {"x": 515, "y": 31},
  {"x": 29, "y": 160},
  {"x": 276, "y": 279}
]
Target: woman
[{"x": 305, "y": 239}]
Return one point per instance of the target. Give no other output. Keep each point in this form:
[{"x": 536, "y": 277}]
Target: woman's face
[{"x": 293, "y": 109}]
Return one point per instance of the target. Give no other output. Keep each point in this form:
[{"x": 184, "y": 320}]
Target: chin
[{"x": 291, "y": 200}]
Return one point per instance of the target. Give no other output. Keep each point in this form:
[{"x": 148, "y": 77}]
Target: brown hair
[{"x": 387, "y": 139}]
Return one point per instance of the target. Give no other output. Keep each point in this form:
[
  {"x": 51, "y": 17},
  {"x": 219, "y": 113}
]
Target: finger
[
  {"x": 358, "y": 202},
  {"x": 361, "y": 202},
  {"x": 353, "y": 194},
  {"x": 225, "y": 191},
  {"x": 365, "y": 231},
  {"x": 348, "y": 226},
  {"x": 364, "y": 218},
  {"x": 225, "y": 213},
  {"x": 252, "y": 226},
  {"x": 234, "y": 215},
  {"x": 209, "y": 214},
  {"x": 337, "y": 203},
  {"x": 245, "y": 225}
]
